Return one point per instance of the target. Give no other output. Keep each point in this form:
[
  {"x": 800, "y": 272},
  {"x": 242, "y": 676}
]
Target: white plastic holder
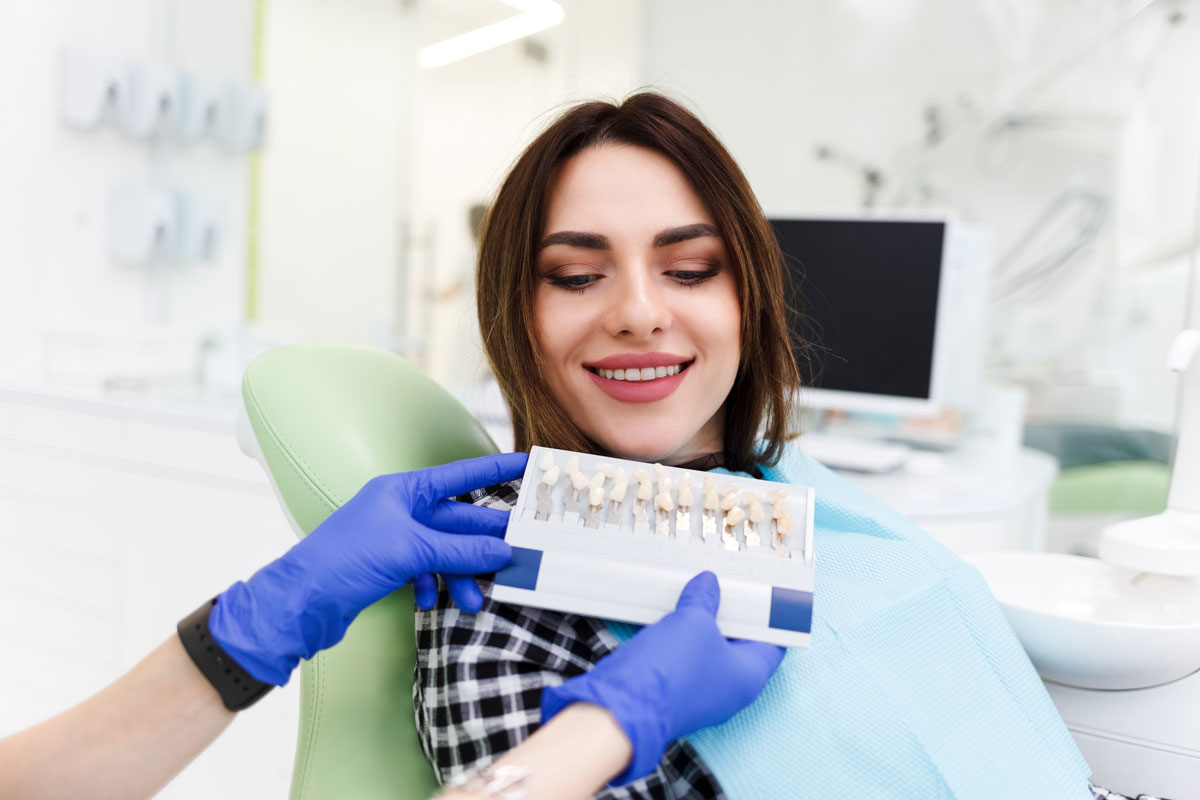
[
  {"x": 1169, "y": 543},
  {"x": 91, "y": 89},
  {"x": 199, "y": 231},
  {"x": 142, "y": 225},
  {"x": 150, "y": 106},
  {"x": 243, "y": 121},
  {"x": 202, "y": 103}
]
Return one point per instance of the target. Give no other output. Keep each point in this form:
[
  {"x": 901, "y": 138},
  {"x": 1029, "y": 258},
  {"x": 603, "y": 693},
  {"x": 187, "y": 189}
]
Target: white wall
[
  {"x": 62, "y": 293},
  {"x": 776, "y": 79},
  {"x": 334, "y": 175}
]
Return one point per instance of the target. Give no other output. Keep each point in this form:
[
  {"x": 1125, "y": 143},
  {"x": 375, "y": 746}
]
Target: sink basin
[{"x": 1085, "y": 622}]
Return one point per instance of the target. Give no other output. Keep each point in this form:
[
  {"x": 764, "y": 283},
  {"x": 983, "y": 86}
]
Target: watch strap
[{"x": 238, "y": 688}]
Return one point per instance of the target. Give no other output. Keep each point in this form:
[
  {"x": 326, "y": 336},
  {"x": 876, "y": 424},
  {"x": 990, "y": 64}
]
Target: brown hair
[{"x": 506, "y": 279}]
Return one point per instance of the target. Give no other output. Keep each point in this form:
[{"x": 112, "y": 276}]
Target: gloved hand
[
  {"x": 672, "y": 678},
  {"x": 397, "y": 527}
]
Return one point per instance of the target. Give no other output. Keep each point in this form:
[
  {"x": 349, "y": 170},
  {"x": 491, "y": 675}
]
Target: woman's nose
[{"x": 638, "y": 307}]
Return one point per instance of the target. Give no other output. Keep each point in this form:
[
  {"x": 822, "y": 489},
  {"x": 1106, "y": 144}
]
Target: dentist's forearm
[{"x": 127, "y": 741}]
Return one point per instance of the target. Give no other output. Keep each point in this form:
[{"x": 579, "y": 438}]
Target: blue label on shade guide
[
  {"x": 791, "y": 610},
  {"x": 522, "y": 571}
]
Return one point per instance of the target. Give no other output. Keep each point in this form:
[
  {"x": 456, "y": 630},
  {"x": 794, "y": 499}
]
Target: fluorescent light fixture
[{"x": 535, "y": 16}]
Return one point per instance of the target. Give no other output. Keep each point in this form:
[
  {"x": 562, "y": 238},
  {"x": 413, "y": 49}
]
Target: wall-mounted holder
[
  {"x": 91, "y": 89},
  {"x": 142, "y": 225},
  {"x": 153, "y": 101},
  {"x": 150, "y": 106},
  {"x": 243, "y": 124},
  {"x": 201, "y": 108},
  {"x": 200, "y": 228}
]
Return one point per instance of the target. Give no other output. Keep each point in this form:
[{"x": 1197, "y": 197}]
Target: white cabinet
[{"x": 114, "y": 524}]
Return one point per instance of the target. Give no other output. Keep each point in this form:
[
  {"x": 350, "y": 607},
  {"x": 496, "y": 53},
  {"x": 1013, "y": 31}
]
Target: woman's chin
[{"x": 643, "y": 448}]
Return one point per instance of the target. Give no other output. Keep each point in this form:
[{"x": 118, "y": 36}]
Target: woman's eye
[
  {"x": 693, "y": 277},
  {"x": 574, "y": 283}
]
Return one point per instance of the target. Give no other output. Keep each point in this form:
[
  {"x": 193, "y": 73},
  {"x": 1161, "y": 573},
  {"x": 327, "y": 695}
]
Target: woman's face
[{"x": 636, "y": 306}]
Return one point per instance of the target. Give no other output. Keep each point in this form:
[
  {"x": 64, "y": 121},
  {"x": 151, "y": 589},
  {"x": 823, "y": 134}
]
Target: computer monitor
[{"x": 867, "y": 300}]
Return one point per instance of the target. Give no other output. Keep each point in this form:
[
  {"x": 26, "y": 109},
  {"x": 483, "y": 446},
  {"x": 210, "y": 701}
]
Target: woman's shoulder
[{"x": 843, "y": 506}]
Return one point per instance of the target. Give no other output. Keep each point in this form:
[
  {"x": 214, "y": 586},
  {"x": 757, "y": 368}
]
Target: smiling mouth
[{"x": 643, "y": 374}]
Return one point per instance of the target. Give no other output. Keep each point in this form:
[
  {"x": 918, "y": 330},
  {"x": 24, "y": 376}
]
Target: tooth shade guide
[{"x": 656, "y": 506}]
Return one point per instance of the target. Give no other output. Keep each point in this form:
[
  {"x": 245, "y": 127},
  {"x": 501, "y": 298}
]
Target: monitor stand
[{"x": 838, "y": 451}]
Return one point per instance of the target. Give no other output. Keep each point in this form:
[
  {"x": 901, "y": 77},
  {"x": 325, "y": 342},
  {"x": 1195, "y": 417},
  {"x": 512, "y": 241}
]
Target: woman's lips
[{"x": 639, "y": 391}]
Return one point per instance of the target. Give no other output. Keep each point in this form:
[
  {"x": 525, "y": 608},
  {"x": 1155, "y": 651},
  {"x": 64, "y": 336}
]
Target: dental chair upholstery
[{"x": 322, "y": 421}]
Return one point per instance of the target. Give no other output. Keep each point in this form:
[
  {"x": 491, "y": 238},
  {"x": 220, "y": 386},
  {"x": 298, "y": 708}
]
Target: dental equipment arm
[
  {"x": 1169, "y": 543},
  {"x": 135, "y": 735}
]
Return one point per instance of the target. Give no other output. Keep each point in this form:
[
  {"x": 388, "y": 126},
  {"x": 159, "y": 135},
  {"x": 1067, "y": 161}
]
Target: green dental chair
[{"x": 322, "y": 421}]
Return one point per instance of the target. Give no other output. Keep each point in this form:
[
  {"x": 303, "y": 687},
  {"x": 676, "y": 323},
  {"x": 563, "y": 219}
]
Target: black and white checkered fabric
[
  {"x": 479, "y": 679},
  {"x": 1104, "y": 794}
]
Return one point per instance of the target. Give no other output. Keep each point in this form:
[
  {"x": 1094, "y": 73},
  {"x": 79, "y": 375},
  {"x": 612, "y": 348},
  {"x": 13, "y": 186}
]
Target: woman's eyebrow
[
  {"x": 592, "y": 241},
  {"x": 596, "y": 241},
  {"x": 683, "y": 233}
]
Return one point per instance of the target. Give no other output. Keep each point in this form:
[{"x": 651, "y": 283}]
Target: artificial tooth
[{"x": 647, "y": 373}]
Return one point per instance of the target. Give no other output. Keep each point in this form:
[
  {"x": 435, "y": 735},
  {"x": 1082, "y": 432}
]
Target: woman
[{"x": 630, "y": 297}]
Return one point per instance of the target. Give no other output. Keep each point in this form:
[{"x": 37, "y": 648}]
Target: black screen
[{"x": 862, "y": 301}]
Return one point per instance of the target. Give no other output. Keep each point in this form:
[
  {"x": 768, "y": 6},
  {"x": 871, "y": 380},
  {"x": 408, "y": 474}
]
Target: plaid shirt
[
  {"x": 479, "y": 679},
  {"x": 477, "y": 692}
]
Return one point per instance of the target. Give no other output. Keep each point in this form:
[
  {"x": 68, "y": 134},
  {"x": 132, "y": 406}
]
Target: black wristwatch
[{"x": 238, "y": 688}]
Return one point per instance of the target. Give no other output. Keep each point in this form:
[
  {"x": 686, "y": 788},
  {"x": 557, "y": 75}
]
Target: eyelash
[{"x": 687, "y": 278}]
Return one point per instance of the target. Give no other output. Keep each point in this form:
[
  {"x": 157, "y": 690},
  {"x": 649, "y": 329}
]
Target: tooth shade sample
[
  {"x": 597, "y": 479},
  {"x": 645, "y": 491},
  {"x": 729, "y": 501},
  {"x": 546, "y": 461},
  {"x": 784, "y": 526},
  {"x": 579, "y": 480},
  {"x": 756, "y": 511},
  {"x": 596, "y": 496},
  {"x": 609, "y": 470},
  {"x": 572, "y": 464},
  {"x": 550, "y": 476},
  {"x": 685, "y": 491},
  {"x": 663, "y": 502},
  {"x": 617, "y": 494},
  {"x": 640, "y": 475},
  {"x": 734, "y": 516}
]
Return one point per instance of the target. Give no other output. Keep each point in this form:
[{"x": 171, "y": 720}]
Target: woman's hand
[
  {"x": 397, "y": 528},
  {"x": 672, "y": 678}
]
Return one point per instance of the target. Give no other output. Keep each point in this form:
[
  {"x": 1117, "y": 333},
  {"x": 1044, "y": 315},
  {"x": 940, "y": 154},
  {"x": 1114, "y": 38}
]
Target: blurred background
[{"x": 185, "y": 184}]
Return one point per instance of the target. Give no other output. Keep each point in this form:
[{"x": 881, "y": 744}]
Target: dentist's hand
[
  {"x": 672, "y": 678},
  {"x": 396, "y": 529}
]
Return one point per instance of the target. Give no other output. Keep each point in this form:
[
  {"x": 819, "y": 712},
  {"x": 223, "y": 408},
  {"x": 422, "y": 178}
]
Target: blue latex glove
[
  {"x": 397, "y": 527},
  {"x": 672, "y": 678}
]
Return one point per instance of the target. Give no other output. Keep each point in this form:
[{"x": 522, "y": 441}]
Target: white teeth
[{"x": 643, "y": 374}]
